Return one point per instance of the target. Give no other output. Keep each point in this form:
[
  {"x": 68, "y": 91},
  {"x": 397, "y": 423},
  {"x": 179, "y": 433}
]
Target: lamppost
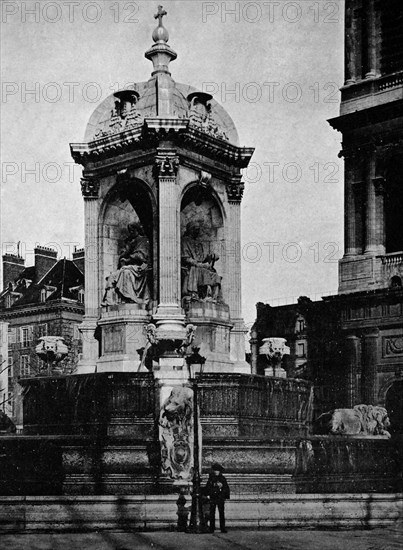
[{"x": 195, "y": 364}]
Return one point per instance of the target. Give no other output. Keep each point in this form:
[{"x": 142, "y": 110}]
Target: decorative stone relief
[
  {"x": 201, "y": 116},
  {"x": 166, "y": 167},
  {"x": 176, "y": 433},
  {"x": 89, "y": 187},
  {"x": 124, "y": 115},
  {"x": 393, "y": 346}
]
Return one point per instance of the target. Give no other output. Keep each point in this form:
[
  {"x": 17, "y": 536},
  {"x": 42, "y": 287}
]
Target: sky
[{"x": 276, "y": 67}]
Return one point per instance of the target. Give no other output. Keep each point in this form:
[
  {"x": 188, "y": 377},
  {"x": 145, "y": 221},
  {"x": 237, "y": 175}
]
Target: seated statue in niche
[
  {"x": 200, "y": 279},
  {"x": 129, "y": 283}
]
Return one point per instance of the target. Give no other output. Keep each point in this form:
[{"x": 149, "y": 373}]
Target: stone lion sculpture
[
  {"x": 177, "y": 409},
  {"x": 360, "y": 420}
]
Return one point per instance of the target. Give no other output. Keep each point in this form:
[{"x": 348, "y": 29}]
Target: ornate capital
[
  {"x": 90, "y": 188},
  {"x": 235, "y": 191},
  {"x": 166, "y": 166}
]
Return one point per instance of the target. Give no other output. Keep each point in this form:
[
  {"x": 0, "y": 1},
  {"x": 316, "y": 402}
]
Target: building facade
[
  {"x": 46, "y": 299},
  {"x": 355, "y": 339}
]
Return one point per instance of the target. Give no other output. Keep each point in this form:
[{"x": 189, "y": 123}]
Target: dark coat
[{"x": 217, "y": 488}]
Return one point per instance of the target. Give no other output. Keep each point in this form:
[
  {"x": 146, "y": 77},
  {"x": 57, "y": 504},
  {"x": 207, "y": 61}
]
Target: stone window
[
  {"x": 25, "y": 335},
  {"x": 24, "y": 365},
  {"x": 10, "y": 367},
  {"x": 42, "y": 330},
  {"x": 12, "y": 336},
  {"x": 301, "y": 349},
  {"x": 300, "y": 325}
]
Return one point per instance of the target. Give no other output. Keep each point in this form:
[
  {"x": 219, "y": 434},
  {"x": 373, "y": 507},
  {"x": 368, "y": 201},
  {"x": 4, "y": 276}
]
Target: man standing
[{"x": 218, "y": 491}]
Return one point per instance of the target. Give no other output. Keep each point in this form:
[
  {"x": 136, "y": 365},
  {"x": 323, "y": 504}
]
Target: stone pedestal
[{"x": 122, "y": 336}]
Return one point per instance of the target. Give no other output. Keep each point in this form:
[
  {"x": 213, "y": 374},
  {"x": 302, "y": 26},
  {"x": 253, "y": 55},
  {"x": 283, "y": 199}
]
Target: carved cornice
[
  {"x": 235, "y": 191},
  {"x": 148, "y": 136},
  {"x": 90, "y": 188}
]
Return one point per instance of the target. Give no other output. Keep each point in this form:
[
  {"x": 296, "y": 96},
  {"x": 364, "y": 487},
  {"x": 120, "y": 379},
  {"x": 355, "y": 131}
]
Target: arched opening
[
  {"x": 394, "y": 205},
  {"x": 127, "y": 203},
  {"x": 200, "y": 209},
  {"x": 394, "y": 406}
]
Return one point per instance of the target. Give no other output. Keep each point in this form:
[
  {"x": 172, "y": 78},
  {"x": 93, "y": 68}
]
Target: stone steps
[{"x": 153, "y": 512}]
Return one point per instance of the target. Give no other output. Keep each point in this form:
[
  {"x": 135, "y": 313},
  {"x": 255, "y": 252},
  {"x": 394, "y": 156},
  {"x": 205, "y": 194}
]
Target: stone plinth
[{"x": 122, "y": 335}]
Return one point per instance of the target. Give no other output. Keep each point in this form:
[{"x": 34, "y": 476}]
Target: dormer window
[{"x": 44, "y": 295}]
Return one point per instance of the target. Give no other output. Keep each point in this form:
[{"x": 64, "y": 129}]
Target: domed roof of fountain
[{"x": 160, "y": 97}]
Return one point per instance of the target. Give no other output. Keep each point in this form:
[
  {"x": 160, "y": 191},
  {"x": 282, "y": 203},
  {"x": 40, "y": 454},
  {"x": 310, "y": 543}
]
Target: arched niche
[
  {"x": 202, "y": 207},
  {"x": 127, "y": 202}
]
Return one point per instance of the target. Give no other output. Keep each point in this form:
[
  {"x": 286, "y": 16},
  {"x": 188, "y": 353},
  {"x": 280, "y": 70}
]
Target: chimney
[
  {"x": 45, "y": 259},
  {"x": 12, "y": 266},
  {"x": 79, "y": 259}
]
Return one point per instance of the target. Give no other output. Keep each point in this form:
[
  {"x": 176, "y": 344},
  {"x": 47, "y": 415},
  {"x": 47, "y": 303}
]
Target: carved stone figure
[
  {"x": 360, "y": 420},
  {"x": 177, "y": 433},
  {"x": 129, "y": 282},
  {"x": 152, "y": 340},
  {"x": 200, "y": 279}
]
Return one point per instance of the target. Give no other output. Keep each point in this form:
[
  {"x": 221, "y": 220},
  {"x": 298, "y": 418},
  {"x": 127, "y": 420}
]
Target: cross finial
[{"x": 159, "y": 15}]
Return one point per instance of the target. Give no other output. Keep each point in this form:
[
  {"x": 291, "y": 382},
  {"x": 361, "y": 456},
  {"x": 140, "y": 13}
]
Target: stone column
[
  {"x": 351, "y": 347},
  {"x": 379, "y": 185},
  {"x": 169, "y": 312},
  {"x": 350, "y": 214},
  {"x": 234, "y": 287},
  {"x": 370, "y": 210},
  {"x": 371, "y": 39},
  {"x": 90, "y": 189},
  {"x": 350, "y": 45},
  {"x": 369, "y": 364}
]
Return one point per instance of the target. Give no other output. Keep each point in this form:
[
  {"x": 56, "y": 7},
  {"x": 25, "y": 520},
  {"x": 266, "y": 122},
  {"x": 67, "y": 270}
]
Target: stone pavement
[{"x": 377, "y": 539}]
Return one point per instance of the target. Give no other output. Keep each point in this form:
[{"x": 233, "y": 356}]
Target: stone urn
[
  {"x": 51, "y": 349},
  {"x": 274, "y": 349}
]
